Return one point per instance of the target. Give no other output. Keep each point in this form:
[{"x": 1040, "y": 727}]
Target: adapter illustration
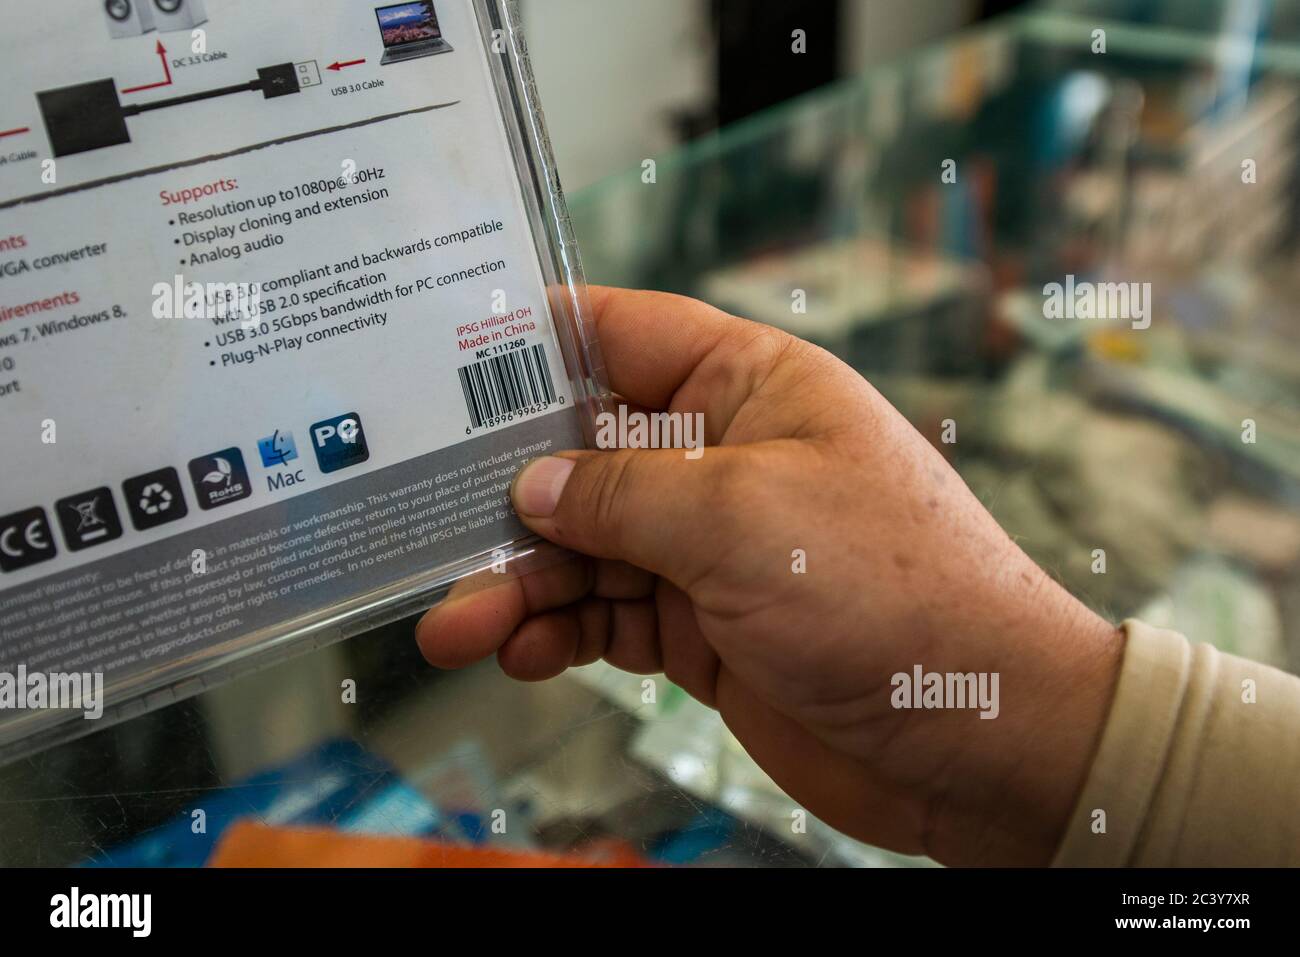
[{"x": 90, "y": 116}]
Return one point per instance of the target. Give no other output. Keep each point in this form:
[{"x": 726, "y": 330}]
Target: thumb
[{"x": 654, "y": 508}]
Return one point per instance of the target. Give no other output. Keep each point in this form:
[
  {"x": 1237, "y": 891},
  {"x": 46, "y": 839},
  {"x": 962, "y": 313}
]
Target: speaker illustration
[
  {"x": 177, "y": 14},
  {"x": 128, "y": 18}
]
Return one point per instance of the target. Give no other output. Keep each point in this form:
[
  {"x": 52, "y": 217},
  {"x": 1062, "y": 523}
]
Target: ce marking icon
[{"x": 25, "y": 539}]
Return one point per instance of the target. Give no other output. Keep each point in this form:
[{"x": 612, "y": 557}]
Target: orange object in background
[{"x": 251, "y": 844}]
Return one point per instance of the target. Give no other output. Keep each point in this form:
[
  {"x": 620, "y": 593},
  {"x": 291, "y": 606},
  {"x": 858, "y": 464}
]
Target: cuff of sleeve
[{"x": 1109, "y": 817}]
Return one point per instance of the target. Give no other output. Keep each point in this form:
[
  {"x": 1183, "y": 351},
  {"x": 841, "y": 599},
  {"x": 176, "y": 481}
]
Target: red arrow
[
  {"x": 167, "y": 71},
  {"x": 336, "y": 65},
  {"x": 21, "y": 129}
]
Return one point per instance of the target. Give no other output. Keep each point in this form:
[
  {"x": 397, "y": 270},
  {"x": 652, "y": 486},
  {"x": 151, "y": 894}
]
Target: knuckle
[
  {"x": 608, "y": 491},
  {"x": 729, "y": 486},
  {"x": 764, "y": 351},
  {"x": 770, "y": 346}
]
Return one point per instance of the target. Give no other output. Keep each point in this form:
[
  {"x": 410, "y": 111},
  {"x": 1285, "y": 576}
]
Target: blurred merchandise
[
  {"x": 249, "y": 844},
  {"x": 1211, "y": 601},
  {"x": 879, "y": 306},
  {"x": 337, "y": 783},
  {"x": 689, "y": 744}
]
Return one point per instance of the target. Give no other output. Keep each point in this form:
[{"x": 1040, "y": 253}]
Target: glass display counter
[{"x": 941, "y": 224}]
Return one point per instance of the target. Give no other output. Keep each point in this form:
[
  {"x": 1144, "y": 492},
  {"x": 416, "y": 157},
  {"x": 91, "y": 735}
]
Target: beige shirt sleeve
[{"x": 1190, "y": 771}]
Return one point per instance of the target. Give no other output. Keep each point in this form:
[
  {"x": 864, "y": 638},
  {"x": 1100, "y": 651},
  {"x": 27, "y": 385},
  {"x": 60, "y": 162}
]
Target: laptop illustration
[{"x": 410, "y": 30}]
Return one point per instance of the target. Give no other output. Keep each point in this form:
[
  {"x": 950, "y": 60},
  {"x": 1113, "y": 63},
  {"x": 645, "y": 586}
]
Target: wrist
[{"x": 1019, "y": 777}]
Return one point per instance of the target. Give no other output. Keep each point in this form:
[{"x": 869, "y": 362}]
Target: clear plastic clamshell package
[{"x": 288, "y": 293}]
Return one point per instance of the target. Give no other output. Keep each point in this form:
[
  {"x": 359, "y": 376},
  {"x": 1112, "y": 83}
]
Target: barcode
[{"x": 506, "y": 383}]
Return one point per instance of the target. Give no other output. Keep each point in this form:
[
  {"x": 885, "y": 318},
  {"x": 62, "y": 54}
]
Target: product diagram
[
  {"x": 131, "y": 18},
  {"x": 410, "y": 30},
  {"x": 91, "y": 116}
]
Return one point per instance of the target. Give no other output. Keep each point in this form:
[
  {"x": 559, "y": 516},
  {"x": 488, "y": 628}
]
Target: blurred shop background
[{"x": 1108, "y": 140}]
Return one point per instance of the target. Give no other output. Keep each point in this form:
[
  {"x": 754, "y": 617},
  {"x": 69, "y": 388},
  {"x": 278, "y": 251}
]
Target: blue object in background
[{"x": 337, "y": 784}]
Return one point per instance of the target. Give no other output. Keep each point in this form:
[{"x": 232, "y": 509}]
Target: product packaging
[{"x": 288, "y": 293}]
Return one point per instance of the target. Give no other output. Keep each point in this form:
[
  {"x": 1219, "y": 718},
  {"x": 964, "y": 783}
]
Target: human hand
[{"x": 689, "y": 569}]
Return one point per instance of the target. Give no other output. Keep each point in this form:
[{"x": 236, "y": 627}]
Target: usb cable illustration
[{"x": 89, "y": 116}]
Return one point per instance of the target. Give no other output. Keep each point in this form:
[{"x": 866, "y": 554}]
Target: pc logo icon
[
  {"x": 277, "y": 449},
  {"x": 339, "y": 442}
]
